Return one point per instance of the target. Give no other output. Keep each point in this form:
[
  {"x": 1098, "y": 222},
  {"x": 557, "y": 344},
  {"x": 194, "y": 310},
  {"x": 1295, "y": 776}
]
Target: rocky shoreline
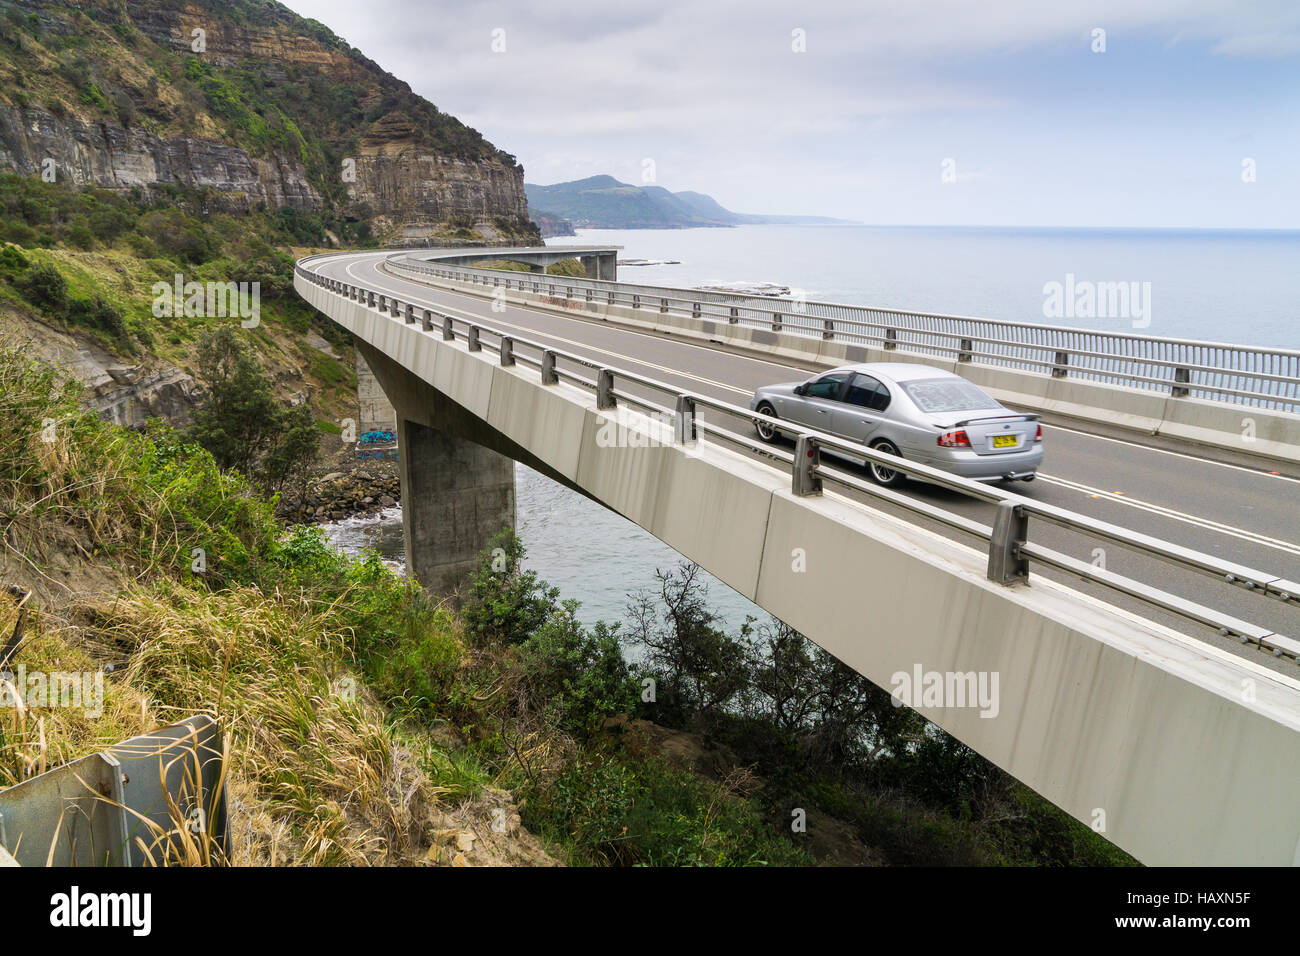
[{"x": 367, "y": 490}]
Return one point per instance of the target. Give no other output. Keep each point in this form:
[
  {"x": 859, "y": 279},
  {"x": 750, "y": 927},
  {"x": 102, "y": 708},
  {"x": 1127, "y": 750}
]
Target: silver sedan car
[{"x": 923, "y": 414}]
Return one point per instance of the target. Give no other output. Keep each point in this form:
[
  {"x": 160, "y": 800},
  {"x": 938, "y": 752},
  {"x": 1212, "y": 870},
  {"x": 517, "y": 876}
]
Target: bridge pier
[
  {"x": 456, "y": 497},
  {"x": 603, "y": 266},
  {"x": 457, "y": 494}
]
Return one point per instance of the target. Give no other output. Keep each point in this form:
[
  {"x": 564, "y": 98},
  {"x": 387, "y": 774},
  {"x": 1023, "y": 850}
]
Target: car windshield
[{"x": 947, "y": 395}]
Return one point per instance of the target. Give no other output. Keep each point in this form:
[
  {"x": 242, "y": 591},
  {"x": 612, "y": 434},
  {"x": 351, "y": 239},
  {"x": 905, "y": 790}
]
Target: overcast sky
[{"x": 915, "y": 112}]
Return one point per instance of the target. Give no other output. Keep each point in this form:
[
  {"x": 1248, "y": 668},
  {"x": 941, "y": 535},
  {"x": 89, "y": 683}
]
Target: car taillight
[
  {"x": 955, "y": 439},
  {"x": 1039, "y": 436}
]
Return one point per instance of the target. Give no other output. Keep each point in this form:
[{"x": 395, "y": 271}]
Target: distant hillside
[{"x": 602, "y": 202}]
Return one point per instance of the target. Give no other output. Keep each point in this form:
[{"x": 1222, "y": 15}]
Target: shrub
[
  {"x": 506, "y": 604},
  {"x": 99, "y": 313},
  {"x": 578, "y": 677},
  {"x": 45, "y": 287}
]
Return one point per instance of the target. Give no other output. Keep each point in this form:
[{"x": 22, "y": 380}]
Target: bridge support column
[
  {"x": 456, "y": 497},
  {"x": 607, "y": 267}
]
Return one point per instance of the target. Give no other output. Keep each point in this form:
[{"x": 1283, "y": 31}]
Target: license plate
[{"x": 1005, "y": 441}]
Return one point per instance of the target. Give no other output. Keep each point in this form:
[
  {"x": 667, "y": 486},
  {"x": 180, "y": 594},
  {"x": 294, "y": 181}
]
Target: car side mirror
[{"x": 801, "y": 389}]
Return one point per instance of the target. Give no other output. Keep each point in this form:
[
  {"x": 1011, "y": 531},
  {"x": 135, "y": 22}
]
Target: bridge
[
  {"x": 600, "y": 262},
  {"x": 1148, "y": 685}
]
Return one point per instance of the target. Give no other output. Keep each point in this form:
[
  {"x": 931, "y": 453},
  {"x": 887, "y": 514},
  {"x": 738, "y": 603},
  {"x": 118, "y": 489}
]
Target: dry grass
[
  {"x": 336, "y": 783},
  {"x": 34, "y": 739}
]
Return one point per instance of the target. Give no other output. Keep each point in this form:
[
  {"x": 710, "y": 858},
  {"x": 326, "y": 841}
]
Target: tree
[
  {"x": 699, "y": 668},
  {"x": 243, "y": 424}
]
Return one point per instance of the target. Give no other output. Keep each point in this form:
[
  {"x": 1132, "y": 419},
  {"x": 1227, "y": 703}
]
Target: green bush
[
  {"x": 12, "y": 261},
  {"x": 578, "y": 677},
  {"x": 505, "y": 603},
  {"x": 624, "y": 812},
  {"x": 100, "y": 314},
  {"x": 45, "y": 287}
]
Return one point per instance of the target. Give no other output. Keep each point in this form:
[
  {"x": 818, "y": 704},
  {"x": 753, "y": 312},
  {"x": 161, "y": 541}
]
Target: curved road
[{"x": 1238, "y": 512}]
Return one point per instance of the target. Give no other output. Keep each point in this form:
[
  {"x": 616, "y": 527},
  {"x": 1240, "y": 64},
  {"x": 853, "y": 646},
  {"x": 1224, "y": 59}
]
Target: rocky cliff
[
  {"x": 92, "y": 152},
  {"x": 252, "y": 105}
]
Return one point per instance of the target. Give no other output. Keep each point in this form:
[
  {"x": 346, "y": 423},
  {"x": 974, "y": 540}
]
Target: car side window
[
  {"x": 866, "y": 392},
  {"x": 828, "y": 386}
]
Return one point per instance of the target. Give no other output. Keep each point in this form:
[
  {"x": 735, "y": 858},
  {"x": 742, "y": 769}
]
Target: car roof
[{"x": 900, "y": 371}]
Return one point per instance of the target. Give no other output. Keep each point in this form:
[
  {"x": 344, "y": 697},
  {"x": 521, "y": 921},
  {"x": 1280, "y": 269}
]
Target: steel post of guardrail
[
  {"x": 891, "y": 339},
  {"x": 636, "y": 301},
  {"x": 549, "y": 376},
  {"x": 966, "y": 350},
  {"x": 370, "y": 302},
  {"x": 695, "y": 310},
  {"x": 804, "y": 480},
  {"x": 383, "y": 303},
  {"x": 507, "y": 350},
  {"x": 448, "y": 332},
  {"x": 475, "y": 344},
  {"x": 427, "y": 324},
  {"x": 1061, "y": 366},
  {"x": 734, "y": 317},
  {"x": 684, "y": 421},
  {"x": 410, "y": 314},
  {"x": 663, "y": 305},
  {"x": 1182, "y": 378},
  {"x": 776, "y": 321},
  {"x": 605, "y": 389},
  {"x": 1010, "y": 531},
  {"x": 828, "y": 329}
]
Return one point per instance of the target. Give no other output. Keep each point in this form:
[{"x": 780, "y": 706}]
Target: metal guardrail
[
  {"x": 1009, "y": 547},
  {"x": 155, "y": 799},
  {"x": 1259, "y": 377}
]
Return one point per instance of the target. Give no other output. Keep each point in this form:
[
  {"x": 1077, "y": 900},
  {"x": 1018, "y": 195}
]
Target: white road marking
[
  {"x": 1204, "y": 523},
  {"x": 1176, "y": 454}
]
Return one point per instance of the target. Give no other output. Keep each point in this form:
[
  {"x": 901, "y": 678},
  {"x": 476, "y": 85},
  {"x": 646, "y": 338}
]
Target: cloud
[
  {"x": 1259, "y": 45},
  {"x": 857, "y": 124}
]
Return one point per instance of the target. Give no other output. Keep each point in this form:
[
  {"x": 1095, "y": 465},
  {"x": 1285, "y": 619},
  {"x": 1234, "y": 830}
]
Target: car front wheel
[{"x": 882, "y": 474}]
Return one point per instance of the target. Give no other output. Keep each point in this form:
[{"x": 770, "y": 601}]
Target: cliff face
[
  {"x": 93, "y": 152},
  {"x": 274, "y": 110},
  {"x": 413, "y": 190}
]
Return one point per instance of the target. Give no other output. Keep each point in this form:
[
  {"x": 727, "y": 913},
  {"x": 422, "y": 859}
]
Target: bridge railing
[
  {"x": 1009, "y": 547},
  {"x": 1259, "y": 377}
]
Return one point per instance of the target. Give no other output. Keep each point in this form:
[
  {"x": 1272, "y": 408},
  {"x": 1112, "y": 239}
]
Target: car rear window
[{"x": 947, "y": 395}]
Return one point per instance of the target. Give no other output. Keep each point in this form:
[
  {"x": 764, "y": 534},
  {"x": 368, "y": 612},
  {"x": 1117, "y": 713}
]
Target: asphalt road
[{"x": 1239, "y": 512}]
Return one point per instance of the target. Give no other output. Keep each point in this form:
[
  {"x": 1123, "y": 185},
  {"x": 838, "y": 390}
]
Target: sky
[{"x": 1105, "y": 113}]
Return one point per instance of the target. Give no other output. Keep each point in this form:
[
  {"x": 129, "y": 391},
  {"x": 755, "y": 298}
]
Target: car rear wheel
[
  {"x": 881, "y": 474},
  {"x": 765, "y": 431}
]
